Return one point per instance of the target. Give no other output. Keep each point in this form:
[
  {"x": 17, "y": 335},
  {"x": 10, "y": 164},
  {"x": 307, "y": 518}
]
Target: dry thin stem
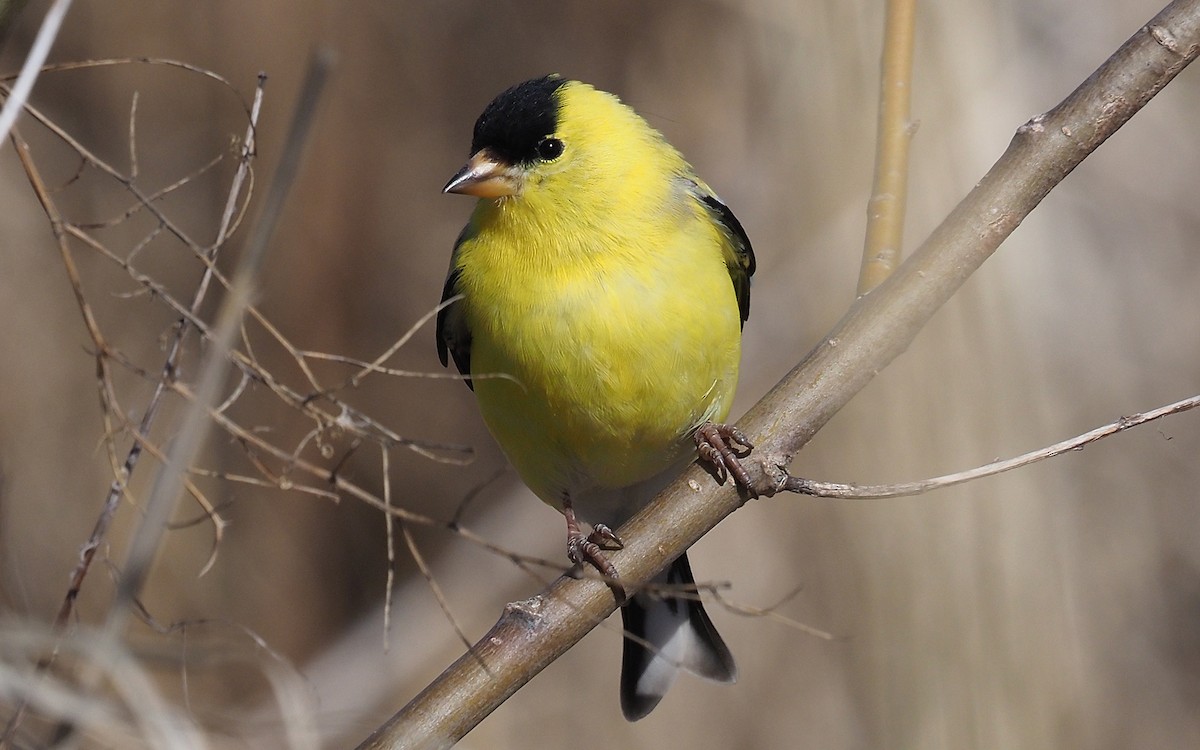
[
  {"x": 252, "y": 441},
  {"x": 473, "y": 493},
  {"x": 870, "y": 491},
  {"x": 195, "y": 425},
  {"x": 276, "y": 465},
  {"x": 347, "y": 415},
  {"x": 291, "y": 693},
  {"x": 885, "y": 209},
  {"x": 172, "y": 475},
  {"x": 427, "y": 574},
  {"x": 102, "y": 375},
  {"x": 877, "y": 329},
  {"x": 158, "y": 194},
  {"x": 133, "y": 157},
  {"x": 771, "y": 613},
  {"x": 112, "y": 172},
  {"x": 375, "y": 367},
  {"x": 114, "y": 61},
  {"x": 171, "y": 478},
  {"x": 411, "y": 544},
  {"x": 389, "y": 585},
  {"x": 123, "y": 476},
  {"x": 125, "y": 472}
]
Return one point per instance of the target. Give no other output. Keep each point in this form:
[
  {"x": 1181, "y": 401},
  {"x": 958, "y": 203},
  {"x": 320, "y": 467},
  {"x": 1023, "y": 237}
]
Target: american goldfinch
[{"x": 595, "y": 304}]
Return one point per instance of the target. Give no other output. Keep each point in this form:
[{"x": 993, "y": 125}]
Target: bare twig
[
  {"x": 347, "y": 487},
  {"x": 427, "y": 574},
  {"x": 123, "y": 476},
  {"x": 291, "y": 694},
  {"x": 195, "y": 424},
  {"x": 125, "y": 472},
  {"x": 276, "y": 466},
  {"x": 159, "y": 194},
  {"x": 390, "y": 528},
  {"x": 88, "y": 551},
  {"x": 364, "y": 423},
  {"x": 112, "y": 172},
  {"x": 115, "y": 61},
  {"x": 133, "y": 157},
  {"x": 860, "y": 491},
  {"x": 770, "y": 613}
]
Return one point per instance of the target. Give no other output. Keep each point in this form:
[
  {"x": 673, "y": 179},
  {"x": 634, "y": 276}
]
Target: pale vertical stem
[{"x": 885, "y": 209}]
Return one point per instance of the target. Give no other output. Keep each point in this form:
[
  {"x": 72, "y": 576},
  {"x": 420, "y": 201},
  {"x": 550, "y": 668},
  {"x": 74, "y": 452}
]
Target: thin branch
[
  {"x": 123, "y": 476},
  {"x": 195, "y": 424},
  {"x": 133, "y": 155},
  {"x": 770, "y": 613},
  {"x": 389, "y": 584},
  {"x": 115, "y": 61},
  {"x": 427, "y": 574},
  {"x": 347, "y": 416},
  {"x": 348, "y": 487},
  {"x": 177, "y": 469},
  {"x": 885, "y": 209},
  {"x": 138, "y": 205},
  {"x": 95, "y": 161},
  {"x": 395, "y": 347},
  {"x": 374, "y": 367},
  {"x": 876, "y": 330},
  {"x": 125, "y": 473},
  {"x": 88, "y": 551},
  {"x": 859, "y": 491}
]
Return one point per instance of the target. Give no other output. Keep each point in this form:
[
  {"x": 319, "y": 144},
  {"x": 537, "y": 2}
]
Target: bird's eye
[{"x": 550, "y": 149}]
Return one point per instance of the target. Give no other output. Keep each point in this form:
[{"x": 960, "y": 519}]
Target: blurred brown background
[{"x": 1058, "y": 606}]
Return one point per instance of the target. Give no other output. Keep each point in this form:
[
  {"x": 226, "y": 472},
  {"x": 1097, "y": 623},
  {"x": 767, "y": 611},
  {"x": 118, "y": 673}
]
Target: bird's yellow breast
[{"x": 596, "y": 350}]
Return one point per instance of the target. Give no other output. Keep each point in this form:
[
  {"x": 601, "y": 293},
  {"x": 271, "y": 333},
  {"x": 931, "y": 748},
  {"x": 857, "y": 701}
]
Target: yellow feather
[{"x": 603, "y": 293}]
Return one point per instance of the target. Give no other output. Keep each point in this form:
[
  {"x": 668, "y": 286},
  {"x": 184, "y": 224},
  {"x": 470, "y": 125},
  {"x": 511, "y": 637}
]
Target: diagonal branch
[{"x": 876, "y": 330}]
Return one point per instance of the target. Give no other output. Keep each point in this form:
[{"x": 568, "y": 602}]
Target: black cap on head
[{"x": 516, "y": 121}]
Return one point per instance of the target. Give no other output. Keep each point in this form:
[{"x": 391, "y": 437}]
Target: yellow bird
[{"x": 596, "y": 300}]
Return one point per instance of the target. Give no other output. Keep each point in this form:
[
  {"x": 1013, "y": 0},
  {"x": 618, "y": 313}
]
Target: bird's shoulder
[
  {"x": 738, "y": 252},
  {"x": 453, "y": 333}
]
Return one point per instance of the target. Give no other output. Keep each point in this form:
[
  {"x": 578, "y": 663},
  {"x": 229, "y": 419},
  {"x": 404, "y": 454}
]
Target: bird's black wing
[
  {"x": 740, "y": 256},
  {"x": 453, "y": 335}
]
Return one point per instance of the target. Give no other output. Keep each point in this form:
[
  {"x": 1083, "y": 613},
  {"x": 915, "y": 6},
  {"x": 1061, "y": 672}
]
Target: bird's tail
[{"x": 669, "y": 633}]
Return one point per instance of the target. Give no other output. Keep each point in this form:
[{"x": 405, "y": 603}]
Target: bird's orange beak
[{"x": 486, "y": 176}]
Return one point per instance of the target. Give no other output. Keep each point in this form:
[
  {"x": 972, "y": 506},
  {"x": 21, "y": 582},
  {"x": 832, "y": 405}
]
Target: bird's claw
[
  {"x": 715, "y": 443},
  {"x": 589, "y": 550},
  {"x": 582, "y": 551},
  {"x": 605, "y": 538}
]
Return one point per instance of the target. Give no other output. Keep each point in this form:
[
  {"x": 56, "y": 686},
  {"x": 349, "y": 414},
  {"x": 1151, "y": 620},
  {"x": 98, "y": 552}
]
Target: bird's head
[{"x": 552, "y": 137}]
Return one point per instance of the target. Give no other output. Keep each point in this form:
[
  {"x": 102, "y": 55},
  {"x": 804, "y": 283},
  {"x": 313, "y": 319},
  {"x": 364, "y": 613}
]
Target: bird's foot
[
  {"x": 589, "y": 550},
  {"x": 716, "y": 444}
]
